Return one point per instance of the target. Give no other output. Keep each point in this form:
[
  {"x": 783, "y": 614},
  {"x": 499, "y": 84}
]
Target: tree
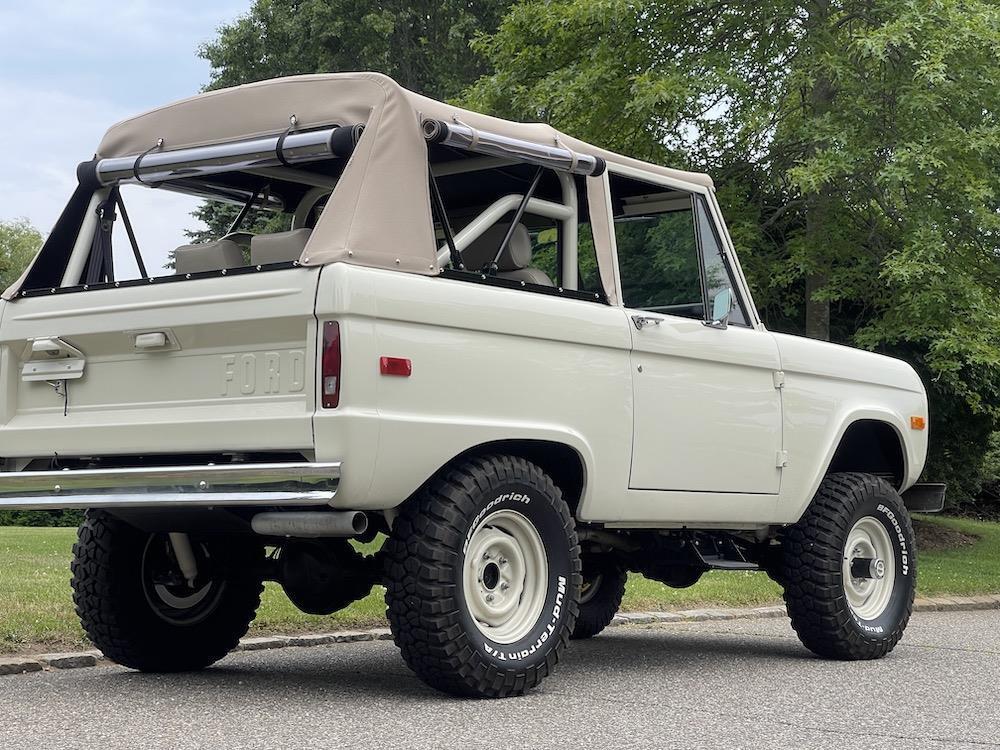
[
  {"x": 19, "y": 242},
  {"x": 856, "y": 149},
  {"x": 424, "y": 45}
]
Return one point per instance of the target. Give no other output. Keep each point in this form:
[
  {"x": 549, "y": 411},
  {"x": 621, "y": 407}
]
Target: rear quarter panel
[{"x": 488, "y": 364}]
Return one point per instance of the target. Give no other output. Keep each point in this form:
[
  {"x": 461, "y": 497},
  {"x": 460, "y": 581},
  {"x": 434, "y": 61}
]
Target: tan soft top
[
  {"x": 263, "y": 108},
  {"x": 379, "y": 214}
]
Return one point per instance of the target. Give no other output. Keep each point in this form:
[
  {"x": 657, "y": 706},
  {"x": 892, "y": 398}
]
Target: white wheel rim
[
  {"x": 870, "y": 548},
  {"x": 505, "y": 576}
]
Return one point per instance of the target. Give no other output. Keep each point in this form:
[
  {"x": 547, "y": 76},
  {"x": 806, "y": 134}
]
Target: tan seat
[
  {"x": 515, "y": 261},
  {"x": 208, "y": 256},
  {"x": 280, "y": 247}
]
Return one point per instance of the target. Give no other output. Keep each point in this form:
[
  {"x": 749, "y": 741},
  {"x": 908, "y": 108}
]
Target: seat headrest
[
  {"x": 208, "y": 256},
  {"x": 280, "y": 247},
  {"x": 516, "y": 255}
]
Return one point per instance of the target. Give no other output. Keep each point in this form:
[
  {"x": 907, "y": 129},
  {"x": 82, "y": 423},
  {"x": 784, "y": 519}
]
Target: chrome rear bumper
[{"x": 212, "y": 485}]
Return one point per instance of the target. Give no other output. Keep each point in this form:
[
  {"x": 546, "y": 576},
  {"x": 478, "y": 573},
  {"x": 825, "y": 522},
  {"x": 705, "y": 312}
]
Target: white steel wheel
[
  {"x": 505, "y": 576},
  {"x": 869, "y": 568}
]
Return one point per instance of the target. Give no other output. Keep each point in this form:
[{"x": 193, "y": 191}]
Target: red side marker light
[
  {"x": 918, "y": 423},
  {"x": 395, "y": 366},
  {"x": 331, "y": 364}
]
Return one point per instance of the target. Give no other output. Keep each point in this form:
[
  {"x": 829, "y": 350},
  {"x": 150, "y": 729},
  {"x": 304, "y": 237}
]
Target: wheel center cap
[
  {"x": 878, "y": 569},
  {"x": 868, "y": 568}
]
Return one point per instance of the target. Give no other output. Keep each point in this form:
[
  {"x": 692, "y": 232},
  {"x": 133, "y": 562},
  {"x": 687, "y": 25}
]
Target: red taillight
[
  {"x": 331, "y": 364},
  {"x": 395, "y": 366}
]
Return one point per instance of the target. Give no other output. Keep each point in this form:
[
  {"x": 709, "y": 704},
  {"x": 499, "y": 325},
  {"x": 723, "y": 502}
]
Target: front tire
[
  {"x": 140, "y": 612},
  {"x": 849, "y": 569},
  {"x": 482, "y": 578}
]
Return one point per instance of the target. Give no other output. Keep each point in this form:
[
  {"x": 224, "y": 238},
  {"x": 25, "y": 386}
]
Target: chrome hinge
[
  {"x": 781, "y": 460},
  {"x": 779, "y": 379}
]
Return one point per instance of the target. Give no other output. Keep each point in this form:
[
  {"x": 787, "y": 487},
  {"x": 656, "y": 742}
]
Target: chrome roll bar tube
[
  {"x": 492, "y": 144},
  {"x": 160, "y": 164}
]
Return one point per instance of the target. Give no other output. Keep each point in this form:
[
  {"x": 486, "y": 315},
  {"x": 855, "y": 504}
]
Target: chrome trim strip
[
  {"x": 165, "y": 500},
  {"x": 214, "y": 484}
]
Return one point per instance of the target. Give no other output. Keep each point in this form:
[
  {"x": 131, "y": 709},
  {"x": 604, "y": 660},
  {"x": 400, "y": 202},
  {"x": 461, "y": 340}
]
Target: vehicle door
[{"x": 706, "y": 388}]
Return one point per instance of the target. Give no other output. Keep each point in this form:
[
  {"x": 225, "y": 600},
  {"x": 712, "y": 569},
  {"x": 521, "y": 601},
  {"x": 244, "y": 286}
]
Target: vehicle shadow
[{"x": 376, "y": 669}]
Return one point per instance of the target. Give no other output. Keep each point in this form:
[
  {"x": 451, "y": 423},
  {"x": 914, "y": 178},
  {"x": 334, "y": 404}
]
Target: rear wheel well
[
  {"x": 871, "y": 447},
  {"x": 558, "y": 460}
]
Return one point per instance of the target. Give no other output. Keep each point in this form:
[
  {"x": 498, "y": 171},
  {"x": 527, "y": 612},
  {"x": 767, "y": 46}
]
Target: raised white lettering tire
[
  {"x": 483, "y": 577},
  {"x": 849, "y": 569}
]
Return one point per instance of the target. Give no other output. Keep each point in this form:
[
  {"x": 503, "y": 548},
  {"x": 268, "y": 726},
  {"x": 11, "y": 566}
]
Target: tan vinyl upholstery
[
  {"x": 515, "y": 261},
  {"x": 208, "y": 256},
  {"x": 280, "y": 247}
]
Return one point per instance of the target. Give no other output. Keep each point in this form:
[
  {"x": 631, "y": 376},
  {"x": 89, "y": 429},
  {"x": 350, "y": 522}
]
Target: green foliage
[
  {"x": 422, "y": 44},
  {"x": 41, "y": 517},
  {"x": 855, "y": 145},
  {"x": 19, "y": 241}
]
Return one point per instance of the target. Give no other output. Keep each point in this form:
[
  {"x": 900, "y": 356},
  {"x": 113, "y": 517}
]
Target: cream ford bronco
[{"x": 528, "y": 364}]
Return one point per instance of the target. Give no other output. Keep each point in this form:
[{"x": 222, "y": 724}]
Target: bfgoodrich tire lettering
[
  {"x": 433, "y": 621},
  {"x": 816, "y": 560}
]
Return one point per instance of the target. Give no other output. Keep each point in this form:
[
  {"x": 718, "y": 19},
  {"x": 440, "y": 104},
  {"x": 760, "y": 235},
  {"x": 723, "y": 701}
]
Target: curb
[{"x": 76, "y": 660}]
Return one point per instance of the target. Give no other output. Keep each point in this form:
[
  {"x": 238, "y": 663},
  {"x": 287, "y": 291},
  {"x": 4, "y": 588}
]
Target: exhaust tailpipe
[{"x": 311, "y": 524}]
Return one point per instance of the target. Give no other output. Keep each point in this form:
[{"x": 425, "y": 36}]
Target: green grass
[{"x": 36, "y": 611}]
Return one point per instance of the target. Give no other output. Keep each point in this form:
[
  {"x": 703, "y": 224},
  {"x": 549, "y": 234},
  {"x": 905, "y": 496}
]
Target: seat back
[
  {"x": 514, "y": 262},
  {"x": 208, "y": 256},
  {"x": 280, "y": 247}
]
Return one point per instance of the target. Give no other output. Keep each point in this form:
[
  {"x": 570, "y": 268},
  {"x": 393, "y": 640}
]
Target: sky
[{"x": 70, "y": 69}]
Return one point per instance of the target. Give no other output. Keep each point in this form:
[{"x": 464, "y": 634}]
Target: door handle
[
  {"x": 641, "y": 321},
  {"x": 151, "y": 340},
  {"x": 156, "y": 340}
]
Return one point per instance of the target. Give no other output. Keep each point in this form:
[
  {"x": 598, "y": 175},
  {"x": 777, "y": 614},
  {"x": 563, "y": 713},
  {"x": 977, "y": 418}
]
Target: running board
[{"x": 212, "y": 485}]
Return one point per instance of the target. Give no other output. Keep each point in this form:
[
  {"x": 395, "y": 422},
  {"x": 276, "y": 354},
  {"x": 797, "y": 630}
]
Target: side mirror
[{"x": 722, "y": 306}]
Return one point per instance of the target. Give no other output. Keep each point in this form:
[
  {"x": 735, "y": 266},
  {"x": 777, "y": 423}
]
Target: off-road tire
[
  {"x": 812, "y": 553},
  {"x": 425, "y": 565},
  {"x": 117, "y": 616},
  {"x": 601, "y": 594}
]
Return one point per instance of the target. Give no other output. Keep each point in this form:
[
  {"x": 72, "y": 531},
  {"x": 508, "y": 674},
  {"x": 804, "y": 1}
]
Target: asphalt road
[{"x": 735, "y": 684}]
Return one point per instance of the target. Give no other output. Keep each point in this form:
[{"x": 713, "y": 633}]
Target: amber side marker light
[{"x": 918, "y": 423}]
